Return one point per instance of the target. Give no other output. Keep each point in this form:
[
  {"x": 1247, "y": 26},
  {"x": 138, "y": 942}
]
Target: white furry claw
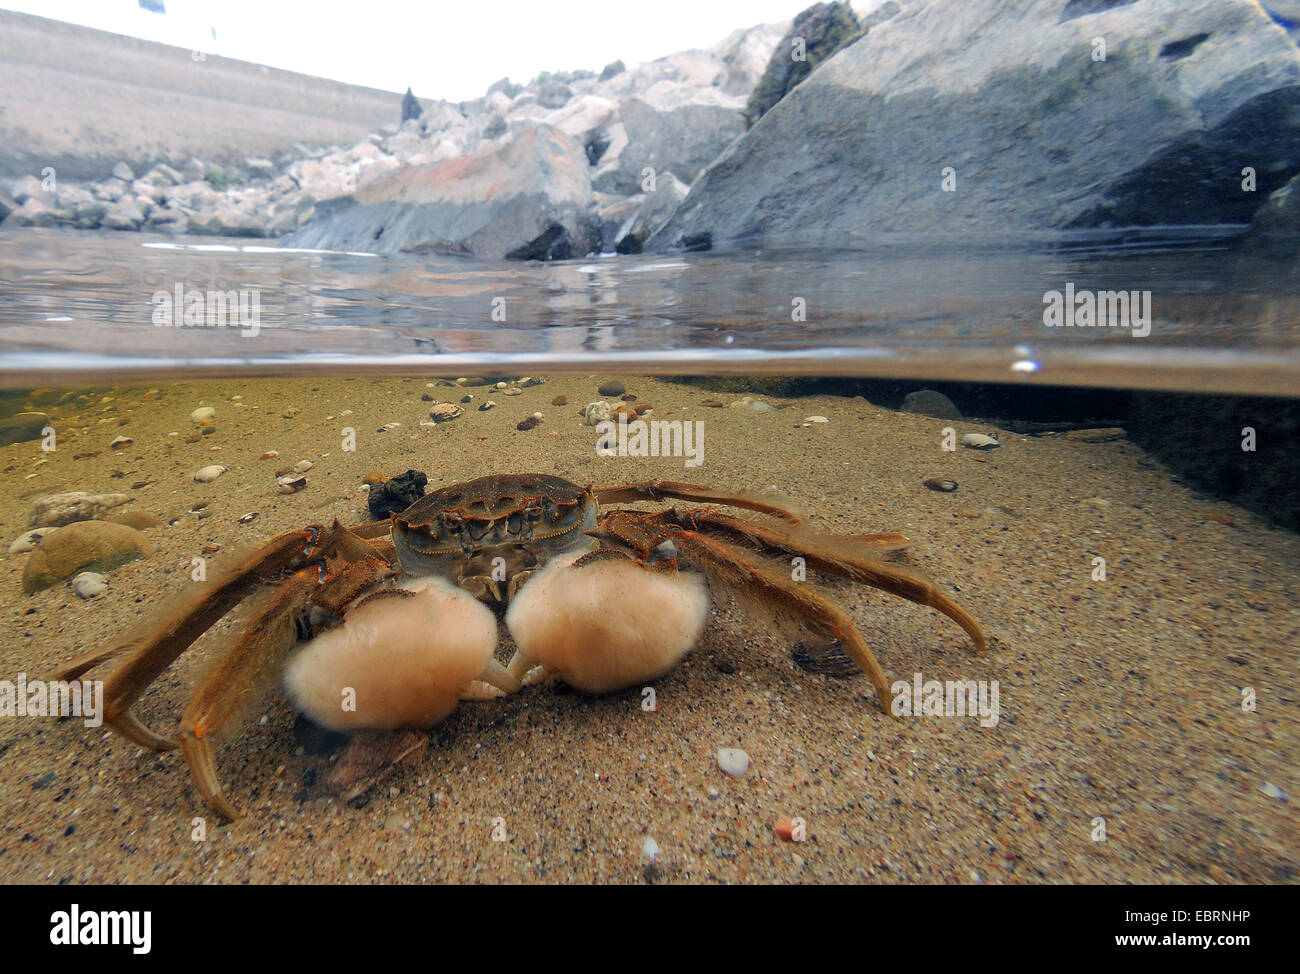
[
  {"x": 401, "y": 658},
  {"x": 607, "y": 623}
]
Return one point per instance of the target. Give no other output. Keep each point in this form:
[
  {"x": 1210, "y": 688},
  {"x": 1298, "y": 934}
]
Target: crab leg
[
  {"x": 155, "y": 644},
  {"x": 834, "y": 555},
  {"x": 729, "y": 569},
  {"x": 654, "y": 490}
]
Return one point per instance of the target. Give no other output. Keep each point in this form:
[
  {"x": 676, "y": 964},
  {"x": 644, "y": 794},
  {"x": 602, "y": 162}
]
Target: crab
[{"x": 389, "y": 625}]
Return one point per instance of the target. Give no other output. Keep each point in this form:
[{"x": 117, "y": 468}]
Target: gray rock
[
  {"x": 683, "y": 139},
  {"x": 927, "y": 402},
  {"x": 84, "y": 546},
  {"x": 554, "y": 95},
  {"x": 612, "y": 70},
  {"x": 123, "y": 172},
  {"x": 1279, "y": 218},
  {"x": 125, "y": 214},
  {"x": 505, "y": 196},
  {"x": 35, "y": 211},
  {"x": 1006, "y": 95},
  {"x": 652, "y": 214}
]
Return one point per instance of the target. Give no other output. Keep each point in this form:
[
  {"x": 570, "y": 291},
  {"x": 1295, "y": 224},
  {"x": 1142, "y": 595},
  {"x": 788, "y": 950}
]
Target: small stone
[
  {"x": 733, "y": 761},
  {"x": 203, "y": 413},
  {"x": 120, "y": 443},
  {"x": 649, "y": 848},
  {"x": 302, "y": 466},
  {"x": 269, "y": 455},
  {"x": 979, "y": 441},
  {"x": 205, "y": 475},
  {"x": 612, "y": 388},
  {"x": 596, "y": 412},
  {"x": 501, "y": 385},
  {"x": 445, "y": 412},
  {"x": 291, "y": 412},
  {"x": 527, "y": 424},
  {"x": 466, "y": 400},
  {"x": 210, "y": 549},
  {"x": 1273, "y": 791},
  {"x": 89, "y": 585},
  {"x": 560, "y": 401},
  {"x": 941, "y": 484}
]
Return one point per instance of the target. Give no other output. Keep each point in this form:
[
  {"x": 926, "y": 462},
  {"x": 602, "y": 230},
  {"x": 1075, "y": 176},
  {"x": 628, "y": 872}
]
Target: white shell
[
  {"x": 978, "y": 441},
  {"x": 205, "y": 475},
  {"x": 205, "y": 412}
]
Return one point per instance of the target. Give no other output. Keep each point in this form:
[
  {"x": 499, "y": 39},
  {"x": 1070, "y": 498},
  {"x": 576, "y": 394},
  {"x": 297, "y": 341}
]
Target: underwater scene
[{"x": 599, "y": 481}]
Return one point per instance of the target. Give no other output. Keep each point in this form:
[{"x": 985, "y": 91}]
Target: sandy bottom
[{"x": 1120, "y": 700}]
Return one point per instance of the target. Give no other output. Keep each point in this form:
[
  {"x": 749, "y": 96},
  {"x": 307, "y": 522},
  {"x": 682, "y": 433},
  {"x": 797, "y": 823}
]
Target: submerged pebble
[
  {"x": 596, "y": 412},
  {"x": 203, "y": 413},
  {"x": 560, "y": 401},
  {"x": 733, "y": 761},
  {"x": 89, "y": 585},
  {"x": 612, "y": 388}
]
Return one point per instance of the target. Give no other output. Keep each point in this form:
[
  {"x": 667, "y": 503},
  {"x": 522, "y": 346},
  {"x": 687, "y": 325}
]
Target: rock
[
  {"x": 613, "y": 387},
  {"x": 85, "y": 545},
  {"x": 927, "y": 402},
  {"x": 998, "y": 92},
  {"x": 444, "y": 412},
  {"x": 1279, "y": 217},
  {"x": 941, "y": 484},
  {"x": 89, "y": 585},
  {"x": 125, "y": 214},
  {"x": 205, "y": 475},
  {"x": 22, "y": 427},
  {"x": 60, "y": 509},
  {"x": 667, "y": 129},
  {"x": 612, "y": 70},
  {"x": 136, "y": 519},
  {"x": 560, "y": 401},
  {"x": 733, "y": 761},
  {"x": 652, "y": 214},
  {"x": 554, "y": 95},
  {"x": 396, "y": 495},
  {"x": 819, "y": 32},
  {"x": 123, "y": 172},
  {"x": 410, "y": 106},
  {"x": 493, "y": 202},
  {"x": 596, "y": 412},
  {"x": 486, "y": 406},
  {"x": 28, "y": 540}
]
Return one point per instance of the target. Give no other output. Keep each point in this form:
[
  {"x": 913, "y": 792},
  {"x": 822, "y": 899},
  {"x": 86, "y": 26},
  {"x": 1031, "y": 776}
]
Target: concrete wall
[{"x": 81, "y": 100}]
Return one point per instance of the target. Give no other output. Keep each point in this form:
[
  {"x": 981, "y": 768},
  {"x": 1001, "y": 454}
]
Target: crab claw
[
  {"x": 400, "y": 658},
  {"x": 602, "y": 622}
]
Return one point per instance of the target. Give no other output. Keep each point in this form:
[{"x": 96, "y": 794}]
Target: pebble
[
  {"x": 205, "y": 475},
  {"x": 120, "y": 443},
  {"x": 302, "y": 466},
  {"x": 89, "y": 585},
  {"x": 290, "y": 413},
  {"x": 501, "y": 385},
  {"x": 612, "y": 388},
  {"x": 269, "y": 455},
  {"x": 649, "y": 848},
  {"x": 466, "y": 400},
  {"x": 733, "y": 761},
  {"x": 75, "y": 505},
  {"x": 445, "y": 412},
  {"x": 1273, "y": 791},
  {"x": 531, "y": 380},
  {"x": 28, "y": 540},
  {"x": 979, "y": 441},
  {"x": 527, "y": 424},
  {"x": 941, "y": 484},
  {"x": 596, "y": 412},
  {"x": 203, "y": 413},
  {"x": 560, "y": 401}
]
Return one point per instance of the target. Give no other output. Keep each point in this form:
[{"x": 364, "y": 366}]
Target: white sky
[{"x": 449, "y": 49}]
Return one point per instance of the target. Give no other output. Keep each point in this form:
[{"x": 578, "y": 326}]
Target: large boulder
[
  {"x": 674, "y": 126},
  {"x": 505, "y": 198},
  {"x": 1038, "y": 130},
  {"x": 654, "y": 211}
]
